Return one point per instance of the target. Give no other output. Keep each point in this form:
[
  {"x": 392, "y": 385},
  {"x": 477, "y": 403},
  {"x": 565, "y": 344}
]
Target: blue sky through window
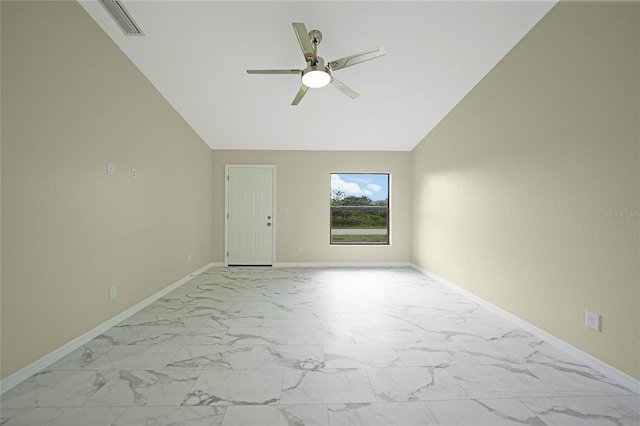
[{"x": 372, "y": 185}]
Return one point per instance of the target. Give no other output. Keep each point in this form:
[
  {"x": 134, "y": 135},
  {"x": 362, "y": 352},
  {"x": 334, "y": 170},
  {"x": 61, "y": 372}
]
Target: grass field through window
[{"x": 360, "y": 239}]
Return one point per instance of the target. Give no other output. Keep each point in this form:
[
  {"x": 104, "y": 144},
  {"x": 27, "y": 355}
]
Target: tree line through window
[{"x": 360, "y": 208}]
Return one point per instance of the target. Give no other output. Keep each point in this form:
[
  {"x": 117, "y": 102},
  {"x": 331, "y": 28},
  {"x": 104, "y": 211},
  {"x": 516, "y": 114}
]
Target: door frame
[{"x": 226, "y": 207}]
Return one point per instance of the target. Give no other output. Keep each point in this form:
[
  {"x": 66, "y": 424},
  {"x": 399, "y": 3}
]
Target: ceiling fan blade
[
  {"x": 303, "y": 91},
  {"x": 274, "y": 71},
  {"x": 344, "y": 88},
  {"x": 304, "y": 40},
  {"x": 347, "y": 61}
]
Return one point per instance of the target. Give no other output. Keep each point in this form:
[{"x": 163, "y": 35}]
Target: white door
[{"x": 249, "y": 218}]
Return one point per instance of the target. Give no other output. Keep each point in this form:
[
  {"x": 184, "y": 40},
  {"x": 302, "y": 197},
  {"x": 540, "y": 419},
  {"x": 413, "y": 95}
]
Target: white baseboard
[
  {"x": 341, "y": 264},
  {"x": 613, "y": 373},
  {"x": 42, "y": 363}
]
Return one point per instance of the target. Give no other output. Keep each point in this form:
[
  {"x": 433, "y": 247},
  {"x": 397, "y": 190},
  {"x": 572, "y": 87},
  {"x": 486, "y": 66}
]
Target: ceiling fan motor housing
[{"x": 316, "y": 75}]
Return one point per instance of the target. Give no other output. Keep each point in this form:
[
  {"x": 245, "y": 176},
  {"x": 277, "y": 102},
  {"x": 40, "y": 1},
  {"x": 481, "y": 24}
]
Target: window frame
[{"x": 386, "y": 243}]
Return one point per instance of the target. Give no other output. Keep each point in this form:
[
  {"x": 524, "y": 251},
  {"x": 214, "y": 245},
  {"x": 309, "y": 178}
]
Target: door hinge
[
  {"x": 227, "y": 177},
  {"x": 227, "y": 215},
  {"x": 227, "y": 254}
]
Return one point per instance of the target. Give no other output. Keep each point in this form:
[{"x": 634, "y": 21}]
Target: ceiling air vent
[{"x": 121, "y": 16}]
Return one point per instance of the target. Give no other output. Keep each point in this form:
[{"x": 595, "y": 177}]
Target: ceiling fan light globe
[{"x": 316, "y": 79}]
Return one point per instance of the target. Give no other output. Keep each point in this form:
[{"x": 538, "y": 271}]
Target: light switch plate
[{"x": 592, "y": 320}]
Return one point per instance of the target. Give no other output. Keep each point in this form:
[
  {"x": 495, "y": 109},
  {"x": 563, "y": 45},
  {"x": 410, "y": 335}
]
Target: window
[{"x": 360, "y": 208}]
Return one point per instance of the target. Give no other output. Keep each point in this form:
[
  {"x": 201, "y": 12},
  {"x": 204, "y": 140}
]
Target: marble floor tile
[
  {"x": 513, "y": 351},
  {"x": 275, "y": 357},
  {"x": 543, "y": 352},
  {"x": 374, "y": 317},
  {"x": 370, "y": 301},
  {"x": 242, "y": 321},
  {"x": 478, "y": 315},
  {"x": 381, "y": 414},
  {"x": 576, "y": 379},
  {"x": 171, "y": 416},
  {"x": 80, "y": 358},
  {"x": 299, "y": 335},
  {"x": 326, "y": 386},
  {"x": 117, "y": 357},
  {"x": 483, "y": 412},
  {"x": 213, "y": 321},
  {"x": 425, "y": 316},
  {"x": 500, "y": 381},
  {"x": 433, "y": 354},
  {"x": 269, "y": 305},
  {"x": 65, "y": 416},
  {"x": 360, "y": 355},
  {"x": 630, "y": 401},
  {"x": 224, "y": 357},
  {"x": 145, "y": 387},
  {"x": 499, "y": 330},
  {"x": 236, "y": 387},
  {"x": 317, "y": 346},
  {"x": 446, "y": 333},
  {"x": 56, "y": 389},
  {"x": 251, "y": 336},
  {"x": 369, "y": 334},
  {"x": 329, "y": 317},
  {"x": 283, "y": 319},
  {"x": 276, "y": 415},
  {"x": 197, "y": 336},
  {"x": 193, "y": 309},
  {"x": 450, "y": 303},
  {"x": 131, "y": 336},
  {"x": 578, "y": 411},
  {"x": 397, "y": 384},
  {"x": 175, "y": 319}
]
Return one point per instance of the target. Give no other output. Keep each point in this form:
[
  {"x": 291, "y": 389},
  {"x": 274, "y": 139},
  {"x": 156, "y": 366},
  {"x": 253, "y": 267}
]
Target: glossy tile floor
[{"x": 276, "y": 346}]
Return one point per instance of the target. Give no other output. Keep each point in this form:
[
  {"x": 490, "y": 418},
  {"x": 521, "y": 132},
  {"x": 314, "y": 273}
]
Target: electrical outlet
[
  {"x": 113, "y": 292},
  {"x": 189, "y": 258},
  {"x": 429, "y": 256},
  {"x": 299, "y": 249},
  {"x": 111, "y": 169},
  {"x": 592, "y": 320},
  {"x": 134, "y": 174}
]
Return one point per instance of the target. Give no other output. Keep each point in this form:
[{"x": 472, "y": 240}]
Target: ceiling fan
[{"x": 317, "y": 74}]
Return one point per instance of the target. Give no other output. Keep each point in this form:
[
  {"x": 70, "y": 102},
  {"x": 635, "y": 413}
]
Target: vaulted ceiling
[{"x": 196, "y": 54}]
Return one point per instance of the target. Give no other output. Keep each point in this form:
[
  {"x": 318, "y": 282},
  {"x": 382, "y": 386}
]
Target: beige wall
[
  {"x": 71, "y": 101},
  {"x": 303, "y": 186},
  {"x": 518, "y": 191}
]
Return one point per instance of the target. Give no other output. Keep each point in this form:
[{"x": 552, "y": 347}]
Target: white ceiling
[{"x": 196, "y": 53}]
